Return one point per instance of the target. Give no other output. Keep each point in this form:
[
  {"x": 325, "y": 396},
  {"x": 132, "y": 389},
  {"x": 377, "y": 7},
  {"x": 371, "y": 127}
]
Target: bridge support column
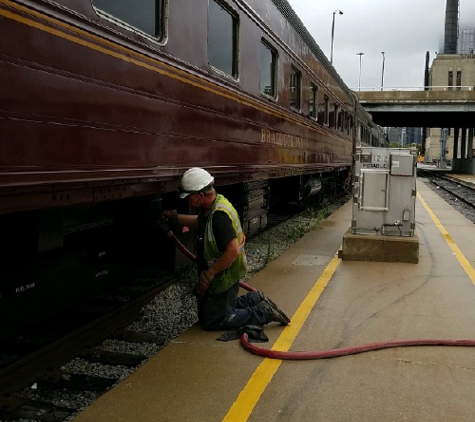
[
  {"x": 456, "y": 144},
  {"x": 463, "y": 151},
  {"x": 470, "y": 143},
  {"x": 466, "y": 162},
  {"x": 455, "y": 153},
  {"x": 470, "y": 150}
]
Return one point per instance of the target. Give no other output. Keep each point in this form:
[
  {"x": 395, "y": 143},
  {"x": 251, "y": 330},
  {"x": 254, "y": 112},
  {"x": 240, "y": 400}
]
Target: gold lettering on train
[{"x": 282, "y": 139}]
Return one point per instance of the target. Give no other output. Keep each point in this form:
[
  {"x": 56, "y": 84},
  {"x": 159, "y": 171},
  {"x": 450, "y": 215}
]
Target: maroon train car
[{"x": 105, "y": 103}]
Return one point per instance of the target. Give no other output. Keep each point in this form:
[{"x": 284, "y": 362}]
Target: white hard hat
[{"x": 194, "y": 180}]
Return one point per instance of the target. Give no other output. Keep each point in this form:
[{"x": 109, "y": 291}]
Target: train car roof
[{"x": 284, "y": 7}]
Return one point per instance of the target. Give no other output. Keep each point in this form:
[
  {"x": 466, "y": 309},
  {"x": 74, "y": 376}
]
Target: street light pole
[
  {"x": 333, "y": 33},
  {"x": 359, "y": 77},
  {"x": 382, "y": 73}
]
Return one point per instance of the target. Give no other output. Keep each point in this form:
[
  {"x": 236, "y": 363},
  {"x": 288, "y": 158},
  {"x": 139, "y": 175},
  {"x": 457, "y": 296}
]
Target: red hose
[
  {"x": 246, "y": 286},
  {"x": 344, "y": 351},
  {"x": 192, "y": 257},
  {"x": 181, "y": 246},
  {"x": 332, "y": 353}
]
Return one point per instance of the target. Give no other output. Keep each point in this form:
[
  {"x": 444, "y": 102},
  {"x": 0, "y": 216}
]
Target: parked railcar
[
  {"x": 105, "y": 103},
  {"x": 368, "y": 133}
]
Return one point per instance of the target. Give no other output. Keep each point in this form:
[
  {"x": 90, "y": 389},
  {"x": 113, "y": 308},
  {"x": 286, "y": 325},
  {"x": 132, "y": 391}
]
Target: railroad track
[
  {"x": 33, "y": 379},
  {"x": 35, "y": 354},
  {"x": 276, "y": 218},
  {"x": 463, "y": 192}
]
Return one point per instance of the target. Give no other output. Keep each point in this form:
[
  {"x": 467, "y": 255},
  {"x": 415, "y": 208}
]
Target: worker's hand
[
  {"x": 201, "y": 287},
  {"x": 171, "y": 215},
  {"x": 208, "y": 274}
]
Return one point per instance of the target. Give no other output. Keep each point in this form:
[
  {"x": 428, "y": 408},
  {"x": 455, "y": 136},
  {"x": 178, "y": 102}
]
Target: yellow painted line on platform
[
  {"x": 452, "y": 245},
  {"x": 252, "y": 392}
]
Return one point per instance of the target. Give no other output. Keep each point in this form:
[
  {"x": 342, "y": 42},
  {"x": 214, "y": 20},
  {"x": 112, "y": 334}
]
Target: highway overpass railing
[{"x": 416, "y": 88}]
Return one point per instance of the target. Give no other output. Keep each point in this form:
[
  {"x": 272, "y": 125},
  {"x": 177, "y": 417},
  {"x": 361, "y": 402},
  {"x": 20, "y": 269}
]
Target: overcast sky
[{"x": 404, "y": 29}]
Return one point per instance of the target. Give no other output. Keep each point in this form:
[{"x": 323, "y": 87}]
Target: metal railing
[{"x": 417, "y": 88}]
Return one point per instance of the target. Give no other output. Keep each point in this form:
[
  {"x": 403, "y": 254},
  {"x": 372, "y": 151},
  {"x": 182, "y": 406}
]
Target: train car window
[
  {"x": 268, "y": 70},
  {"x": 149, "y": 17},
  {"x": 334, "y": 122},
  {"x": 222, "y": 38},
  {"x": 313, "y": 101},
  {"x": 348, "y": 124},
  {"x": 326, "y": 115},
  {"x": 295, "y": 88}
]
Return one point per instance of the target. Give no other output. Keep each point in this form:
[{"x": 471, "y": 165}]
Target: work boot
[
  {"x": 273, "y": 314},
  {"x": 262, "y": 296},
  {"x": 274, "y": 306}
]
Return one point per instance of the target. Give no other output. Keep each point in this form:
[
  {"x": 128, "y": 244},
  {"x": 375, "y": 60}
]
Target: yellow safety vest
[{"x": 237, "y": 270}]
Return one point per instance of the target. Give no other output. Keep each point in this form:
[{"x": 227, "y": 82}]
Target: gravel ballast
[{"x": 174, "y": 310}]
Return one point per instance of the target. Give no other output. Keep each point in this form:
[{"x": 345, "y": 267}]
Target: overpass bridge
[
  {"x": 419, "y": 107},
  {"x": 436, "y": 107}
]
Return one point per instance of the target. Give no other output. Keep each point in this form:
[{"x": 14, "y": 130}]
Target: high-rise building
[
  {"x": 404, "y": 136},
  {"x": 451, "y": 26},
  {"x": 413, "y": 135},
  {"x": 466, "y": 42}
]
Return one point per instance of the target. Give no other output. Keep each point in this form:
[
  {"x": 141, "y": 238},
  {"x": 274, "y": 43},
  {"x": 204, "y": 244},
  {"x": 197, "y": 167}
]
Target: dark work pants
[{"x": 228, "y": 311}]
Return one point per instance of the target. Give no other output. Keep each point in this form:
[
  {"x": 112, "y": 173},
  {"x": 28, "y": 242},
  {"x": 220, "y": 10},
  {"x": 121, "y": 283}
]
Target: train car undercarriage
[{"x": 56, "y": 258}]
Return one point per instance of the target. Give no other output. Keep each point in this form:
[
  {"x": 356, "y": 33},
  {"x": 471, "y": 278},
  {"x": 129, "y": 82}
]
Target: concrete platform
[
  {"x": 380, "y": 248},
  {"x": 467, "y": 178},
  {"x": 332, "y": 303}
]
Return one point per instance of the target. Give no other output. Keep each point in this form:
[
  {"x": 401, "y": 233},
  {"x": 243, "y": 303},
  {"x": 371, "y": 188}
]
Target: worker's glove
[
  {"x": 171, "y": 215},
  {"x": 201, "y": 287}
]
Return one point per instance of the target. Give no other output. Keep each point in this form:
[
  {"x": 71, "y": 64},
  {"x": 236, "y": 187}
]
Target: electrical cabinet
[{"x": 384, "y": 191}]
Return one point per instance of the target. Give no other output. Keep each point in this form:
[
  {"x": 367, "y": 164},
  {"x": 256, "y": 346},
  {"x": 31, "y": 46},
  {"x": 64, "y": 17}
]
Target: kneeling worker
[{"x": 221, "y": 259}]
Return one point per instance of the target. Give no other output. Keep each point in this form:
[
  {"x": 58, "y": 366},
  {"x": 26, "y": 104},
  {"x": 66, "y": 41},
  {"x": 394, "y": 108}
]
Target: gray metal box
[
  {"x": 402, "y": 164},
  {"x": 384, "y": 191}
]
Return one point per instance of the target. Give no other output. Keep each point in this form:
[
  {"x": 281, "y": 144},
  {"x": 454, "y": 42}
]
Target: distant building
[
  {"x": 395, "y": 135},
  {"x": 466, "y": 42},
  {"x": 448, "y": 72},
  {"x": 404, "y": 135},
  {"x": 414, "y": 135}
]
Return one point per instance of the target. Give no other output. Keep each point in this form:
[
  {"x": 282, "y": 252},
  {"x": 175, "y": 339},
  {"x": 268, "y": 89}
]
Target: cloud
[{"x": 404, "y": 29}]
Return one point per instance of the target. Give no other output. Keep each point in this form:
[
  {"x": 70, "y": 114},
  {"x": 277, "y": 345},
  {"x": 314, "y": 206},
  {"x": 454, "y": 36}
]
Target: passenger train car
[{"x": 105, "y": 103}]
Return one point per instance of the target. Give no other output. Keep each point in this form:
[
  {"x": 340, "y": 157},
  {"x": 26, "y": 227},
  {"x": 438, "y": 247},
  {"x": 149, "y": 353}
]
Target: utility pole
[
  {"x": 333, "y": 33},
  {"x": 359, "y": 77}
]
